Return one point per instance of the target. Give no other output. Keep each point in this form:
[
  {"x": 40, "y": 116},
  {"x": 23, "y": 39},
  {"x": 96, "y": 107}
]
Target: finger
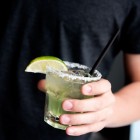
[
  {"x": 87, "y": 105},
  {"x": 96, "y": 88},
  {"x": 83, "y": 129},
  {"x": 85, "y": 118},
  {"x": 41, "y": 85}
]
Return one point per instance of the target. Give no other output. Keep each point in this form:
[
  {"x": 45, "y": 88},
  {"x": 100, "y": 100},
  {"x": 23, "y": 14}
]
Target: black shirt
[{"x": 73, "y": 30}]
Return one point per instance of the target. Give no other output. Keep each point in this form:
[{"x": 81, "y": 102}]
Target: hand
[{"x": 97, "y": 110}]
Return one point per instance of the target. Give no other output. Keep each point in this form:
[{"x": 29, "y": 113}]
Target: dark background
[{"x": 116, "y": 75}]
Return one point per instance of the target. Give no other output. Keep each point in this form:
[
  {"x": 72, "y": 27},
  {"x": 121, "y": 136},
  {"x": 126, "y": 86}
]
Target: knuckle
[
  {"x": 76, "y": 106},
  {"x": 76, "y": 120},
  {"x": 104, "y": 86},
  {"x": 108, "y": 84},
  {"x": 80, "y": 106}
]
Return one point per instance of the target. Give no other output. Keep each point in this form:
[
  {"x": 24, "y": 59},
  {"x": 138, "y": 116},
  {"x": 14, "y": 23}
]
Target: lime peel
[{"x": 39, "y": 64}]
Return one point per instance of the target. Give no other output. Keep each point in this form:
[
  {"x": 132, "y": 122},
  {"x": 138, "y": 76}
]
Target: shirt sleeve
[{"x": 130, "y": 37}]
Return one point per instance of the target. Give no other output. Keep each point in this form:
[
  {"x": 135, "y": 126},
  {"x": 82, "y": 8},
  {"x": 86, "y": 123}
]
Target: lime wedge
[{"x": 39, "y": 64}]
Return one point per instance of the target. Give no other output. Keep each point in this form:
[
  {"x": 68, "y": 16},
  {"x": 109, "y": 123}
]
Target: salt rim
[
  {"x": 75, "y": 77},
  {"x": 75, "y": 65}
]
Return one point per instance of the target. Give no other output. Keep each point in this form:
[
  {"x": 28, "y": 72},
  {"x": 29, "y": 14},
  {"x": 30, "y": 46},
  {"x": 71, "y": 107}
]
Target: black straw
[{"x": 109, "y": 44}]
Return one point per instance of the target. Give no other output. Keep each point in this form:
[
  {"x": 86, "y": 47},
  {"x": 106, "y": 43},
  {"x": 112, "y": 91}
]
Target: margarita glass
[{"x": 61, "y": 85}]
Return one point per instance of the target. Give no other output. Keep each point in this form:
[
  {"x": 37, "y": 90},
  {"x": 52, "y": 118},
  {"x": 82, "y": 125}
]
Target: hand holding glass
[{"x": 62, "y": 85}]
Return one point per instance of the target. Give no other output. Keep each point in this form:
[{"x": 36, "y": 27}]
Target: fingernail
[
  {"x": 65, "y": 120},
  {"x": 67, "y": 105},
  {"x": 71, "y": 132},
  {"x": 87, "y": 89}
]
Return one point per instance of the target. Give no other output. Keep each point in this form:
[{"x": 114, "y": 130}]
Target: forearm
[{"x": 127, "y": 107}]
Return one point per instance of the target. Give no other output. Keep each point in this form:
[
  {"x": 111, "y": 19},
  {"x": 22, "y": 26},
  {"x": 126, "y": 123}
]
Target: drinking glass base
[{"x": 54, "y": 122}]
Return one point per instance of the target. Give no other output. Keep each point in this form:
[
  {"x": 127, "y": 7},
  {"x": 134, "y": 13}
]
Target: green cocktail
[{"x": 61, "y": 85}]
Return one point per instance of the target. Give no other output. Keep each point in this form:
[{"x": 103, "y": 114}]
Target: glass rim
[{"x": 62, "y": 74}]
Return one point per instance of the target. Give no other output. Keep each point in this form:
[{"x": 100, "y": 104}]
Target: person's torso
[{"x": 72, "y": 30}]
